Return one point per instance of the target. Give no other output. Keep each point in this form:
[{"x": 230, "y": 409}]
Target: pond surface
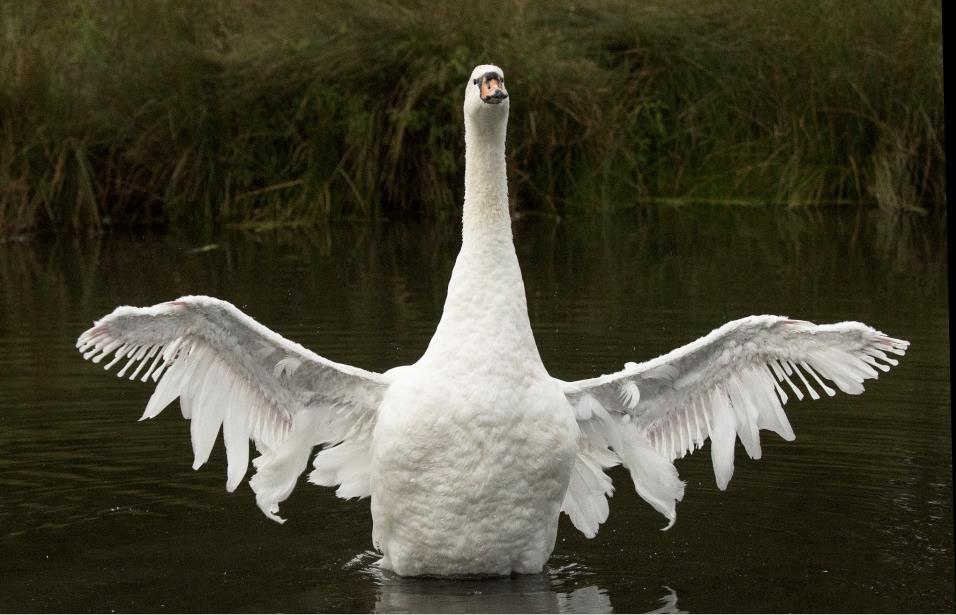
[{"x": 99, "y": 512}]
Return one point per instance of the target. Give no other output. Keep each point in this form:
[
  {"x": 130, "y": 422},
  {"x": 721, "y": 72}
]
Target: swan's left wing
[
  {"x": 229, "y": 371},
  {"x": 728, "y": 384}
]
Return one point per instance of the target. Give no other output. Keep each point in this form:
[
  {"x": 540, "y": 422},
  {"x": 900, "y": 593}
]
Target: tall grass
[{"x": 231, "y": 111}]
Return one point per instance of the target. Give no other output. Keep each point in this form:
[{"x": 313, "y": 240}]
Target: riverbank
[{"x": 229, "y": 112}]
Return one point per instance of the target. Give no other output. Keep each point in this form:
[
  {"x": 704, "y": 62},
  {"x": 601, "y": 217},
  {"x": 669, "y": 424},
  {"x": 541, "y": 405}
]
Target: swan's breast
[
  {"x": 429, "y": 411},
  {"x": 461, "y": 463}
]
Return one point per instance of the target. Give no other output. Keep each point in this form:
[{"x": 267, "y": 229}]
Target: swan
[{"x": 470, "y": 454}]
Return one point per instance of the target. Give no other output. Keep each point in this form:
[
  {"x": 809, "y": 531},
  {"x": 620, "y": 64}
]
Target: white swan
[{"x": 470, "y": 454}]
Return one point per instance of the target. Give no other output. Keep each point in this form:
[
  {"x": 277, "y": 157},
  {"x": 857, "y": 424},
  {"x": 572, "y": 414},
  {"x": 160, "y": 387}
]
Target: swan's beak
[{"x": 493, "y": 89}]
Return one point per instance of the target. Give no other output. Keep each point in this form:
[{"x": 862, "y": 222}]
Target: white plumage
[{"x": 470, "y": 454}]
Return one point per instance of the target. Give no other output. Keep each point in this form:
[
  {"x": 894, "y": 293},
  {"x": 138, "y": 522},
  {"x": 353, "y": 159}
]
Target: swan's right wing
[{"x": 231, "y": 372}]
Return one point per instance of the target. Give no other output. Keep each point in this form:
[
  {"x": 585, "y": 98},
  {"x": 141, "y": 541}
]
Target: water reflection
[
  {"x": 567, "y": 589},
  {"x": 560, "y": 589},
  {"x": 518, "y": 594},
  {"x": 668, "y": 603}
]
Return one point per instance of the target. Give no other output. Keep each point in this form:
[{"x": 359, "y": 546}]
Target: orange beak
[{"x": 492, "y": 89}]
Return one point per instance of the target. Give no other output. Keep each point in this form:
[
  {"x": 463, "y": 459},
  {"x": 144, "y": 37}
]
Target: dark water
[{"x": 99, "y": 512}]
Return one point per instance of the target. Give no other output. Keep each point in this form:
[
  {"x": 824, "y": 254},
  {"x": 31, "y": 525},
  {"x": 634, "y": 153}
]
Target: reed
[{"x": 253, "y": 112}]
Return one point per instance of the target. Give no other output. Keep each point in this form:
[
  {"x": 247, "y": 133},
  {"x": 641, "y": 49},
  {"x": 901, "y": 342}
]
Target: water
[{"x": 99, "y": 512}]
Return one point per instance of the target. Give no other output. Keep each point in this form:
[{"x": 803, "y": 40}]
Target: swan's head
[{"x": 485, "y": 94}]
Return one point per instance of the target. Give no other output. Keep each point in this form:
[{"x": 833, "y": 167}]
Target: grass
[{"x": 253, "y": 112}]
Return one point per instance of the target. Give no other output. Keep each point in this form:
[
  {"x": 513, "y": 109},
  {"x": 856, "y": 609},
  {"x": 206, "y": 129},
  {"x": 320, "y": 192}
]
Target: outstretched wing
[
  {"x": 231, "y": 372},
  {"x": 728, "y": 384}
]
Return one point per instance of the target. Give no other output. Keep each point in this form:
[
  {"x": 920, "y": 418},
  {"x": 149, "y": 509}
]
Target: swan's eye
[{"x": 476, "y": 81}]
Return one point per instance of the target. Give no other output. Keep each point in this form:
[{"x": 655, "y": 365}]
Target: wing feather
[
  {"x": 235, "y": 375},
  {"x": 585, "y": 501},
  {"x": 727, "y": 385}
]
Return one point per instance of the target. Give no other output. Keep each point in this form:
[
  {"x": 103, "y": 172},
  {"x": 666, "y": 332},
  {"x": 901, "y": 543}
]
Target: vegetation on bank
[{"x": 247, "y": 111}]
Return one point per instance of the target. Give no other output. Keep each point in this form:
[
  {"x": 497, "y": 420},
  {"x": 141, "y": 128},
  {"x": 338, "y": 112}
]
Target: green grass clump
[{"x": 231, "y": 111}]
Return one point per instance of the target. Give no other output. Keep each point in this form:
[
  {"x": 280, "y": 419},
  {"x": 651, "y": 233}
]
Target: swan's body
[{"x": 470, "y": 454}]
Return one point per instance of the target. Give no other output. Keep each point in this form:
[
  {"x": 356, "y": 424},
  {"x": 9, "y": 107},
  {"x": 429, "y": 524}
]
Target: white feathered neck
[
  {"x": 486, "y": 301},
  {"x": 485, "y": 217}
]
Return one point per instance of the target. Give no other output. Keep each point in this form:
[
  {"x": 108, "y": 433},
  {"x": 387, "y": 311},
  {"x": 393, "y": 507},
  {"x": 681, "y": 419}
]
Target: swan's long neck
[
  {"x": 485, "y": 217},
  {"x": 486, "y": 311}
]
